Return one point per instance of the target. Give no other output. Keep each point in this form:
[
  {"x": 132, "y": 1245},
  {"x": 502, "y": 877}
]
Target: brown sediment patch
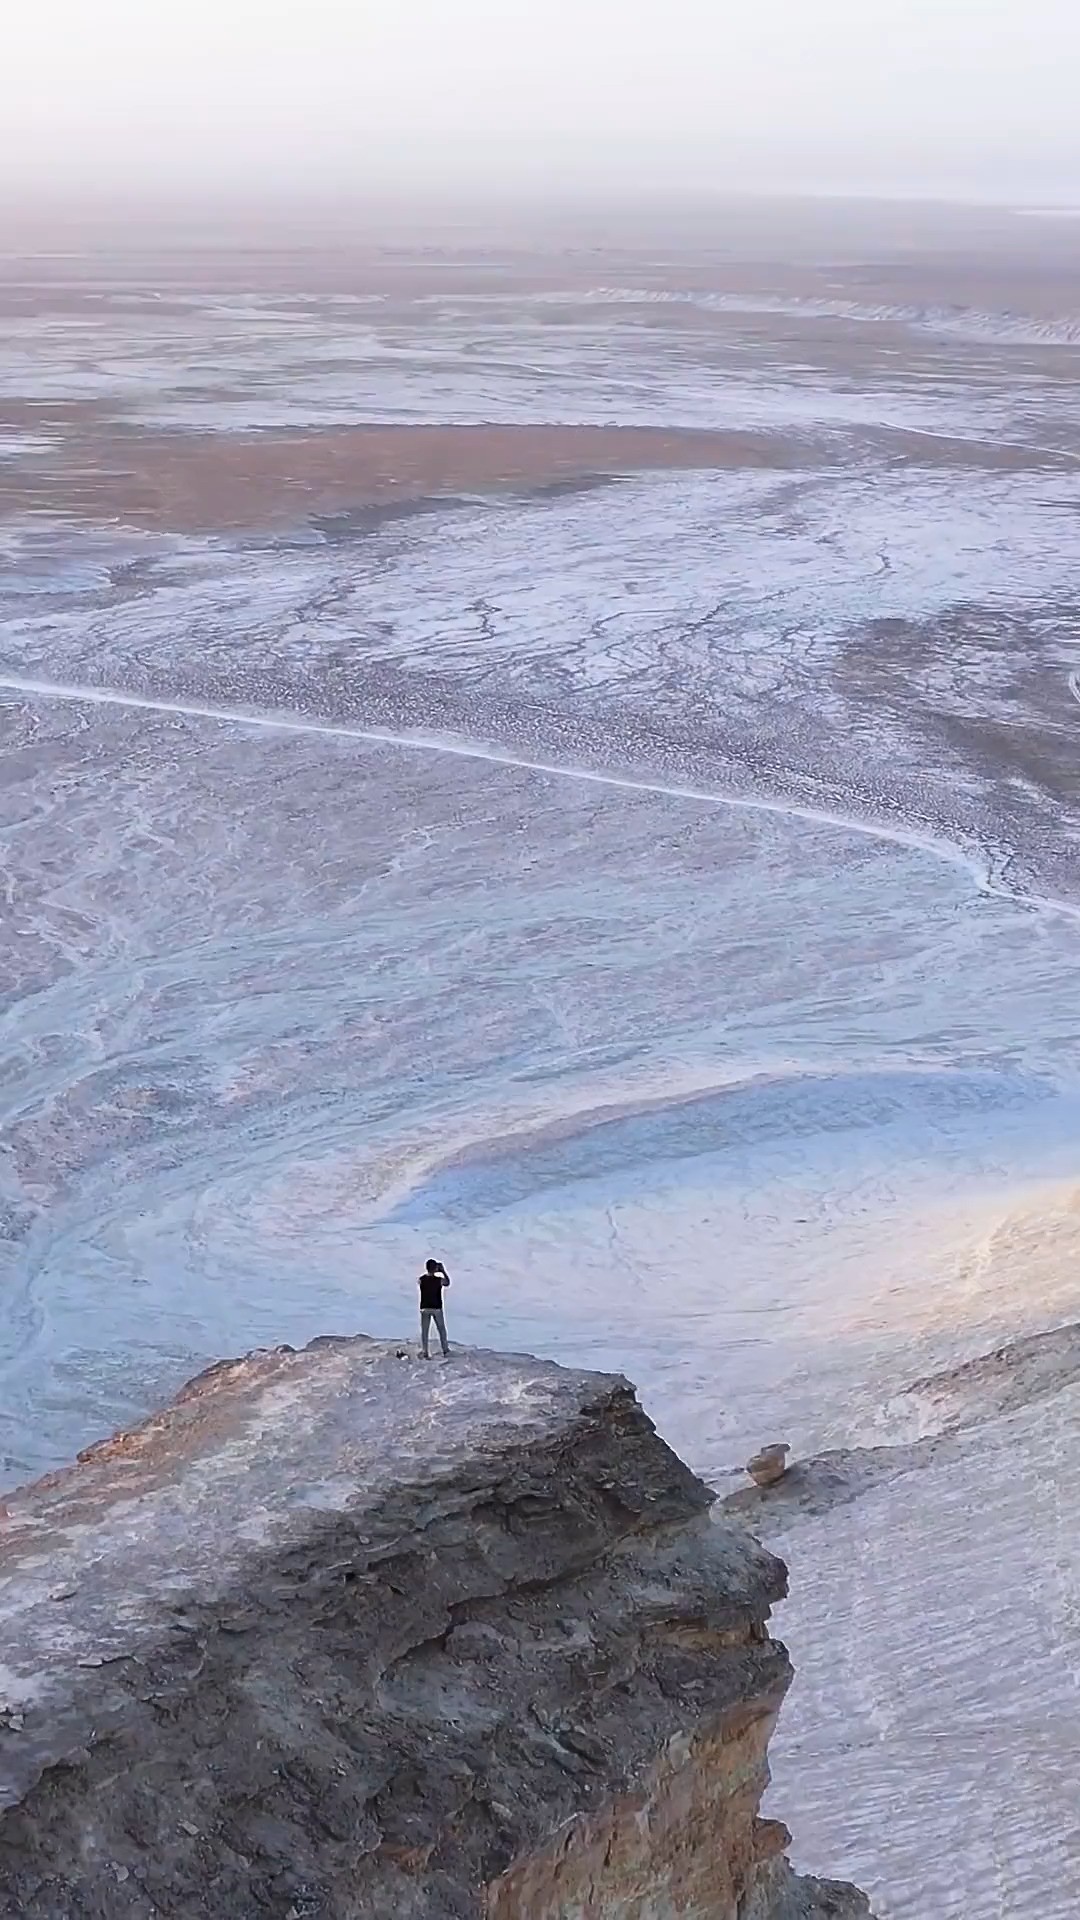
[
  {"x": 217, "y": 482},
  {"x": 47, "y": 416}
]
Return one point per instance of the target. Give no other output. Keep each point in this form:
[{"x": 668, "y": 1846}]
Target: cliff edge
[{"x": 343, "y": 1634}]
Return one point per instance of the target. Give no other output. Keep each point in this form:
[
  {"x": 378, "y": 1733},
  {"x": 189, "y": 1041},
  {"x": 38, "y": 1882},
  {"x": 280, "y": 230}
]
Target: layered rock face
[{"x": 343, "y": 1634}]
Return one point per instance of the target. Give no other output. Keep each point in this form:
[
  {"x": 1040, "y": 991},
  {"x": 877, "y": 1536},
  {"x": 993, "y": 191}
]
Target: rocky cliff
[{"x": 343, "y": 1634}]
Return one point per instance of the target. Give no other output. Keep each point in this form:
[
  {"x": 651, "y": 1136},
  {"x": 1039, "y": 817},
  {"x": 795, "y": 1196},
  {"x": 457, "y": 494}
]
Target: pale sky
[{"x": 942, "y": 96}]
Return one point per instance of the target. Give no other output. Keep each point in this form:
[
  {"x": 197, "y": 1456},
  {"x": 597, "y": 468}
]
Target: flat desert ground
[{"x": 553, "y": 742}]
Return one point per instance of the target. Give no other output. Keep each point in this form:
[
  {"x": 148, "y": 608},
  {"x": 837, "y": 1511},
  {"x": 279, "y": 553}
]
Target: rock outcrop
[{"x": 342, "y": 1634}]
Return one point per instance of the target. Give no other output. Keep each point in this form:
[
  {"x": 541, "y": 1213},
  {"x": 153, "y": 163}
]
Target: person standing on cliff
[{"x": 431, "y": 1283}]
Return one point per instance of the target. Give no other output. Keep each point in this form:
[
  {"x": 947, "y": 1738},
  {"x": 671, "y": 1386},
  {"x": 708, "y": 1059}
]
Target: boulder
[{"x": 769, "y": 1465}]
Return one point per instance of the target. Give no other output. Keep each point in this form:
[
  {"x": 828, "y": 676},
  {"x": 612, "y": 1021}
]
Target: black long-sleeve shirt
[{"x": 431, "y": 1289}]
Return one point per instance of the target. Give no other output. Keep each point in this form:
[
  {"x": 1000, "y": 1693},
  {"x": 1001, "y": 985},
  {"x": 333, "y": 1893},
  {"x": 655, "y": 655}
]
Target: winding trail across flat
[{"x": 941, "y": 849}]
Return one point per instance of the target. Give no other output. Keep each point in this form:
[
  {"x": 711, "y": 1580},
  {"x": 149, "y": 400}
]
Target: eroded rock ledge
[{"x": 341, "y": 1634}]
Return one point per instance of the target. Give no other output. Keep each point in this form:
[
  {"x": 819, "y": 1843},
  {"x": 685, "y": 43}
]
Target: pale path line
[{"x": 944, "y": 850}]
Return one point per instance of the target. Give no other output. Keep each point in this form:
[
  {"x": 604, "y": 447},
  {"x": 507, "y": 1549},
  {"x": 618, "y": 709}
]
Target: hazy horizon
[{"x": 928, "y": 99}]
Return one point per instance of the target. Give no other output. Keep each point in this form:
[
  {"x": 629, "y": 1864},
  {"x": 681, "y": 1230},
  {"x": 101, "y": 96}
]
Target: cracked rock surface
[{"x": 339, "y": 1633}]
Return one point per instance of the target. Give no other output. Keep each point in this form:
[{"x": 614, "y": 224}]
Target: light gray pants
[{"x": 427, "y": 1315}]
